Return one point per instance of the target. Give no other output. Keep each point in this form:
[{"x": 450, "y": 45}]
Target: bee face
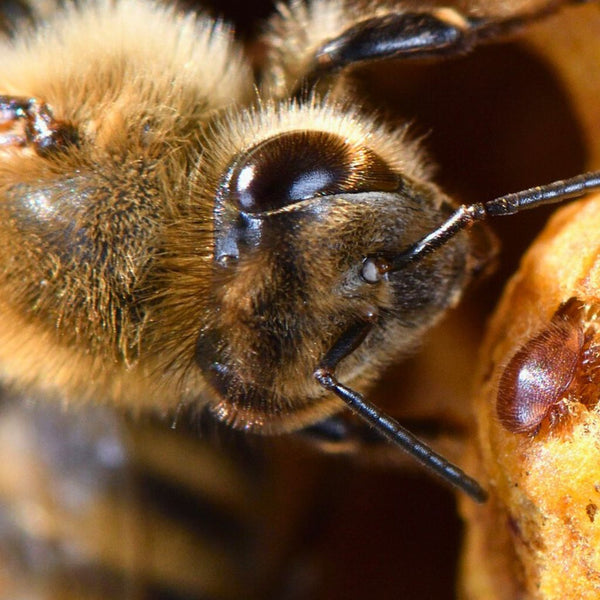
[
  {"x": 184, "y": 239},
  {"x": 295, "y": 217}
]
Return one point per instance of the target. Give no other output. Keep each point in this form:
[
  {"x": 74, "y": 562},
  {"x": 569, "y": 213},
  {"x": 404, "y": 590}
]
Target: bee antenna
[
  {"x": 392, "y": 430},
  {"x": 385, "y": 425},
  {"x": 466, "y": 216}
]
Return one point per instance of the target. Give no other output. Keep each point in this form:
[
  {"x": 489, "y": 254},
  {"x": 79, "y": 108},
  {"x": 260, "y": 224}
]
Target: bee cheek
[{"x": 225, "y": 383}]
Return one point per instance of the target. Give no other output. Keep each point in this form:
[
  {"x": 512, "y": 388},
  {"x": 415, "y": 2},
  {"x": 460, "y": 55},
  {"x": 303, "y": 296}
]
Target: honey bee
[{"x": 175, "y": 231}]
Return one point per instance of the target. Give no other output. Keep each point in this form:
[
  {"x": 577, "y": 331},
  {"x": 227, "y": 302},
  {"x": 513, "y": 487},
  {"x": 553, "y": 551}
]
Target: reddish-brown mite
[{"x": 540, "y": 373}]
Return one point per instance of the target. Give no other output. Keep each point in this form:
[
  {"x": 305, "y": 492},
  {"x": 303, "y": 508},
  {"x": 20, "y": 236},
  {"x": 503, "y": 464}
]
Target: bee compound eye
[{"x": 300, "y": 165}]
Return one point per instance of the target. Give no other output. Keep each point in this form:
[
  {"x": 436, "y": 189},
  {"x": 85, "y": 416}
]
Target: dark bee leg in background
[
  {"x": 347, "y": 434},
  {"x": 29, "y": 121},
  {"x": 439, "y": 32},
  {"x": 383, "y": 424}
]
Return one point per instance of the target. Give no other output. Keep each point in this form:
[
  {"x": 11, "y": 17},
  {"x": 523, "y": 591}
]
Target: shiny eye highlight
[{"x": 300, "y": 165}]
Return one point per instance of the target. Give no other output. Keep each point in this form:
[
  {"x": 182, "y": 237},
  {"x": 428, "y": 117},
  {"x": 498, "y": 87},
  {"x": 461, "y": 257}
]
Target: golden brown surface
[{"x": 539, "y": 535}]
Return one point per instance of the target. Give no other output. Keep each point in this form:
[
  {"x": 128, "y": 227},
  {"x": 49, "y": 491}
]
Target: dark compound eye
[
  {"x": 541, "y": 372},
  {"x": 300, "y": 165}
]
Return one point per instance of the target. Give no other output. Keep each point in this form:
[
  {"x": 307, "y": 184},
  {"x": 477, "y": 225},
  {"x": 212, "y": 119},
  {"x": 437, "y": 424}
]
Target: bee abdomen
[{"x": 94, "y": 510}]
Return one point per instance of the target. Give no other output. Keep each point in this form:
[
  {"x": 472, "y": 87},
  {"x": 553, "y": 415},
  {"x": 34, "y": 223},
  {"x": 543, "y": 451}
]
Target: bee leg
[
  {"x": 334, "y": 430},
  {"x": 345, "y": 434},
  {"x": 29, "y": 121},
  {"x": 401, "y": 36},
  {"x": 382, "y": 423},
  {"x": 309, "y": 48}
]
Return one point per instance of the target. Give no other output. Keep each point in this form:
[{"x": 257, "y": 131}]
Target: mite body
[
  {"x": 169, "y": 235},
  {"x": 539, "y": 375},
  {"x": 558, "y": 362}
]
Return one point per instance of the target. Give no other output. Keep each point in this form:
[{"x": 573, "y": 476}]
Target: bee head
[{"x": 295, "y": 218}]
